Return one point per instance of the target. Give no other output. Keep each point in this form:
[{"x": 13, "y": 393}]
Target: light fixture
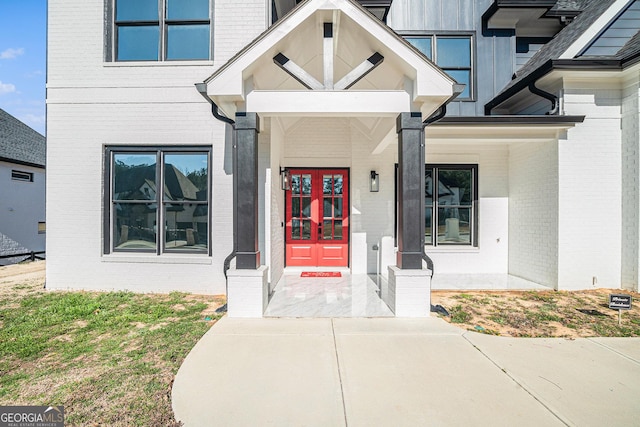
[
  {"x": 285, "y": 179},
  {"x": 374, "y": 184}
]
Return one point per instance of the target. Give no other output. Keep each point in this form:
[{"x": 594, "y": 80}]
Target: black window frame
[
  {"x": 473, "y": 216},
  {"x": 434, "y": 206},
  {"x": 22, "y": 176},
  {"x": 434, "y": 48},
  {"x": 109, "y": 202},
  {"x": 112, "y": 25}
]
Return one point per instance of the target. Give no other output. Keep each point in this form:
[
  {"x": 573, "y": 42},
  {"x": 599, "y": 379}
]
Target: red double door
[{"x": 317, "y": 214}]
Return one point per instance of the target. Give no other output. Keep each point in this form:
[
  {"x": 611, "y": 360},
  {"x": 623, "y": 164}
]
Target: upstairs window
[
  {"x": 451, "y": 53},
  {"x": 162, "y": 30}
]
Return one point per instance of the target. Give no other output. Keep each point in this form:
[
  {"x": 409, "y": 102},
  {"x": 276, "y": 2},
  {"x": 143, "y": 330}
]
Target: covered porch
[{"x": 328, "y": 95}]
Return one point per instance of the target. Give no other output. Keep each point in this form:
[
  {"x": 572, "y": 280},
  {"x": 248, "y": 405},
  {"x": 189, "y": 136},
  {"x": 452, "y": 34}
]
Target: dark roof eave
[
  {"x": 20, "y": 162},
  {"x": 510, "y": 120},
  {"x": 514, "y": 4},
  {"x": 583, "y": 64}
]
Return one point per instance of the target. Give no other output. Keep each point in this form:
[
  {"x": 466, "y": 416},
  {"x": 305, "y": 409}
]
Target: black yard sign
[{"x": 620, "y": 301}]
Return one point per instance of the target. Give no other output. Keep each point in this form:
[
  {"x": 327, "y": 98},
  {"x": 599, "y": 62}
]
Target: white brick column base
[
  {"x": 409, "y": 292},
  {"x": 247, "y": 292}
]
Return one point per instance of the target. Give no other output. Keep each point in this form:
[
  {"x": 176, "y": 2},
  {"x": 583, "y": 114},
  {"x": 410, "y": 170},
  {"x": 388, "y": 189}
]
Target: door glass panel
[
  {"x": 326, "y": 213},
  {"x": 306, "y": 229},
  {"x": 326, "y": 230},
  {"x": 337, "y": 232},
  {"x": 337, "y": 208},
  {"x": 306, "y": 184},
  {"x": 295, "y": 229},
  {"x": 326, "y": 184},
  {"x": 295, "y": 207},
  {"x": 306, "y": 207},
  {"x": 337, "y": 184},
  {"x": 428, "y": 187},
  {"x": 295, "y": 184}
]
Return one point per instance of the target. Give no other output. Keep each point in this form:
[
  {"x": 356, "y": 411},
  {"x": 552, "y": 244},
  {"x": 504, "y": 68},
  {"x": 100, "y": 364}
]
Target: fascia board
[{"x": 328, "y": 103}]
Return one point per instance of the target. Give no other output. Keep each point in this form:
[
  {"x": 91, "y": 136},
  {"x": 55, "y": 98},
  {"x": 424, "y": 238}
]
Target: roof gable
[{"x": 357, "y": 35}]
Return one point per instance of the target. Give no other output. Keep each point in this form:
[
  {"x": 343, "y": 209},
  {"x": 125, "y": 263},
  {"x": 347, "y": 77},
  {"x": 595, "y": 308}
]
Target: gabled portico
[{"x": 328, "y": 88}]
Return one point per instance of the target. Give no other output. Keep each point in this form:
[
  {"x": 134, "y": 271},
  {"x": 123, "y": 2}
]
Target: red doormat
[{"x": 321, "y": 274}]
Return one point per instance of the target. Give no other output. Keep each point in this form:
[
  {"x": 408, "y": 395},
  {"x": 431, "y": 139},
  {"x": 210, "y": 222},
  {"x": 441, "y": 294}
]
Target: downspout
[
  {"x": 437, "y": 115},
  {"x": 202, "y": 89},
  {"x": 546, "y": 95}
]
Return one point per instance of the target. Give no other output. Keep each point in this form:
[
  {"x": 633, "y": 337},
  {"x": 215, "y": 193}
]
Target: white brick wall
[
  {"x": 630, "y": 183},
  {"x": 92, "y": 104},
  {"x": 491, "y": 255},
  {"x": 329, "y": 142},
  {"x": 533, "y": 212},
  {"x": 590, "y": 182}
]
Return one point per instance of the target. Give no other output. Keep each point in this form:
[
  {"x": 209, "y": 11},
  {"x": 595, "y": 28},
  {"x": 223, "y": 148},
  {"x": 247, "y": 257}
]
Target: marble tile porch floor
[{"x": 354, "y": 295}]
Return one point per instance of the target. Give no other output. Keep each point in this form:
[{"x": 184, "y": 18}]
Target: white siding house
[{"x": 22, "y": 189}]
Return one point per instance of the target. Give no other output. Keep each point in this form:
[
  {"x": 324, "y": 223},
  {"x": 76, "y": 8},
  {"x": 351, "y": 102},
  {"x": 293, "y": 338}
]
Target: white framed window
[
  {"x": 157, "y": 200},
  {"x": 160, "y": 30},
  {"x": 452, "y": 53}
]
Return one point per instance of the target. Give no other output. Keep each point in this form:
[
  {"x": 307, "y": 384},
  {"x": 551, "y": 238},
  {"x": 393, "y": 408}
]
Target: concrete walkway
[{"x": 402, "y": 372}]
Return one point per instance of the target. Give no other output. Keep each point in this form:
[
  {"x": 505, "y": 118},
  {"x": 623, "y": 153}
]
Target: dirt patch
[
  {"x": 568, "y": 314},
  {"x": 22, "y": 279}
]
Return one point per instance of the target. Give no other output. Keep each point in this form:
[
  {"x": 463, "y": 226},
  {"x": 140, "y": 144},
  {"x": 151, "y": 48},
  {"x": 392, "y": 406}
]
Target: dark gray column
[
  {"x": 410, "y": 191},
  {"x": 246, "y": 189}
]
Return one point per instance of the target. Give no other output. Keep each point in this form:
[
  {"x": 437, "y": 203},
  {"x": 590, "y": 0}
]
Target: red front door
[{"x": 317, "y": 232}]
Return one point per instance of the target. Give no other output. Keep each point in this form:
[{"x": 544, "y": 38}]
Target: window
[
  {"x": 42, "y": 228},
  {"x": 147, "y": 187},
  {"x": 21, "y": 176},
  {"x": 450, "y": 212},
  {"x": 159, "y": 30},
  {"x": 451, "y": 53}
]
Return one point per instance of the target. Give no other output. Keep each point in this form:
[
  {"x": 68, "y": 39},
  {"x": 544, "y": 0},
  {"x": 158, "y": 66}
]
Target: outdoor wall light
[
  {"x": 374, "y": 184},
  {"x": 285, "y": 179}
]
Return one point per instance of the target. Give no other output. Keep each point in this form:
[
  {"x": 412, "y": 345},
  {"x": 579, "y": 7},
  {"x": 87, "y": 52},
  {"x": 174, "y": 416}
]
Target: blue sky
[{"x": 23, "y": 60}]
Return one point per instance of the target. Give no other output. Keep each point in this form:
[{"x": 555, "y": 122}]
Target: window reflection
[
  {"x": 452, "y": 222},
  {"x": 183, "y": 190}
]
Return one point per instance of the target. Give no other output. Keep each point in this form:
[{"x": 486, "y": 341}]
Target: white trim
[
  {"x": 328, "y": 103},
  {"x": 592, "y": 32}
]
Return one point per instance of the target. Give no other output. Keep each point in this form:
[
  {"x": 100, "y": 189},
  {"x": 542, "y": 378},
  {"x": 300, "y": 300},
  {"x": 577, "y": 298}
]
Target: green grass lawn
[{"x": 109, "y": 358}]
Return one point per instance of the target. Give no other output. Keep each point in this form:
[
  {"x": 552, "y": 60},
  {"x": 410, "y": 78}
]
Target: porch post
[
  {"x": 410, "y": 191},
  {"x": 246, "y": 181}
]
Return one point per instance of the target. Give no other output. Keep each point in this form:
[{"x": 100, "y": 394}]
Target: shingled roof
[
  {"x": 548, "y": 57},
  {"x": 19, "y": 143},
  {"x": 563, "y": 39}
]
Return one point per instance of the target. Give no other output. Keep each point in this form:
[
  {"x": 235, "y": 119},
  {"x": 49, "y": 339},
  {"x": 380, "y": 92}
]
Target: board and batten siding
[{"x": 493, "y": 56}]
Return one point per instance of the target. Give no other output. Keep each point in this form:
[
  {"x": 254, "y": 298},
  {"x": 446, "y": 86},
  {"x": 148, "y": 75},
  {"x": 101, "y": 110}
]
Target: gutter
[
  {"x": 542, "y": 71},
  {"x": 22, "y": 163},
  {"x": 587, "y": 64},
  {"x": 202, "y": 89}
]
